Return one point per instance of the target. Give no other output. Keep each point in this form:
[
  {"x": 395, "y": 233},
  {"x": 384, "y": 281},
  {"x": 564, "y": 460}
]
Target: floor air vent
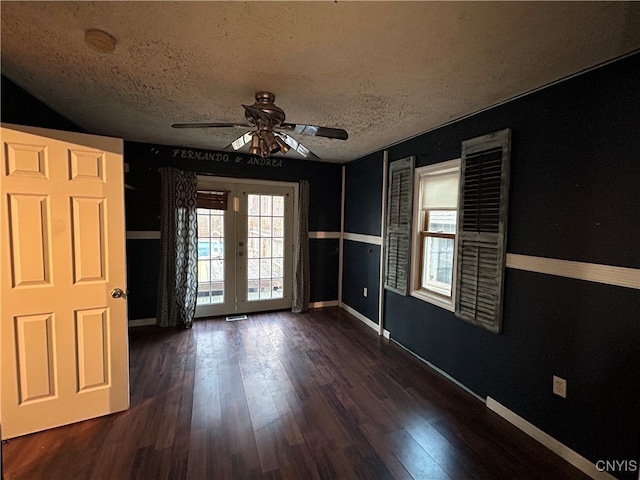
[{"x": 236, "y": 318}]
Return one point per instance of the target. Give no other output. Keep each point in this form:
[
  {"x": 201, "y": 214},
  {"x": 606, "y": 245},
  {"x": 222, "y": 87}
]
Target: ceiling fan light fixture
[
  {"x": 254, "y": 149},
  {"x": 264, "y": 151},
  {"x": 284, "y": 148},
  {"x": 271, "y": 142}
]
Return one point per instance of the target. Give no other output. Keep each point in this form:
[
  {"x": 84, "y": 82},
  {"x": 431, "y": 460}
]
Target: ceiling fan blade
[
  {"x": 328, "y": 132},
  {"x": 240, "y": 142},
  {"x": 298, "y": 147},
  {"x": 209, "y": 125}
]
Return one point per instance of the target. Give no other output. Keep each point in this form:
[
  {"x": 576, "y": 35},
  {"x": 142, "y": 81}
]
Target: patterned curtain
[
  {"x": 178, "y": 278},
  {"x": 301, "y": 289}
]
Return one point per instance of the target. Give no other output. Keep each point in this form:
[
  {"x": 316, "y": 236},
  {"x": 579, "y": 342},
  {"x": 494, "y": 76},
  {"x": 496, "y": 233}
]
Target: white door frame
[{"x": 212, "y": 182}]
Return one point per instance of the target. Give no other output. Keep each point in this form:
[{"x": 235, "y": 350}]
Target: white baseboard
[
  {"x": 142, "y": 322},
  {"x": 548, "y": 441},
  {"x": 369, "y": 323},
  {"x": 440, "y": 371},
  {"x": 332, "y": 303}
]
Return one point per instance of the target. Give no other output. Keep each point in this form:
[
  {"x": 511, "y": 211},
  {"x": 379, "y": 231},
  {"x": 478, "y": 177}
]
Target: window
[
  {"x": 459, "y": 231},
  {"x": 434, "y": 239}
]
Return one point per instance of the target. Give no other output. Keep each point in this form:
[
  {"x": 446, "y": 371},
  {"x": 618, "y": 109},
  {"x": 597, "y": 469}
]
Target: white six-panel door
[{"x": 63, "y": 330}]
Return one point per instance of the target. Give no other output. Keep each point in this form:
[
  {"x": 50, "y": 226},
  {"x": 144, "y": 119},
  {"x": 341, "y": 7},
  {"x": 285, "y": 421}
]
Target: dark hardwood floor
[{"x": 284, "y": 396}]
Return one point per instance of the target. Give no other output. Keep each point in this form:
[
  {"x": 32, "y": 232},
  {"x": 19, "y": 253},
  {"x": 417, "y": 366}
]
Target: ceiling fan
[{"x": 268, "y": 132}]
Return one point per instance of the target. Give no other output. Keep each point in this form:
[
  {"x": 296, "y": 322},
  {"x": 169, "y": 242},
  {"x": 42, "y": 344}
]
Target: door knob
[{"x": 117, "y": 293}]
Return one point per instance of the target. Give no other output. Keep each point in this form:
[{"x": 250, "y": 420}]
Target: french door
[{"x": 245, "y": 253}]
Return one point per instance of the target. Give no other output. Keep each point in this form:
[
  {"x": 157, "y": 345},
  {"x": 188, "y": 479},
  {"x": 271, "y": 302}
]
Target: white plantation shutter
[
  {"x": 482, "y": 229},
  {"x": 398, "y": 241}
]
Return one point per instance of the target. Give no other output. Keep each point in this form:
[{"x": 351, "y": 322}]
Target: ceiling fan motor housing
[{"x": 264, "y": 103}]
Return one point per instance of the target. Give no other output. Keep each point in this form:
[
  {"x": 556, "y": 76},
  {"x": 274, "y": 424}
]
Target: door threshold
[{"x": 235, "y": 318}]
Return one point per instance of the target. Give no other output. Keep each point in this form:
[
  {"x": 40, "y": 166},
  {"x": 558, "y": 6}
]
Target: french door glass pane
[
  {"x": 265, "y": 227},
  {"x": 265, "y": 250},
  {"x": 254, "y": 227},
  {"x": 278, "y": 248},
  {"x": 278, "y": 227},
  {"x": 210, "y": 256},
  {"x": 278, "y": 206},
  {"x": 253, "y": 270},
  {"x": 265, "y": 205},
  {"x": 253, "y": 293},
  {"x": 253, "y": 248},
  {"x": 265, "y": 268},
  {"x": 265, "y": 254},
  {"x": 278, "y": 271}
]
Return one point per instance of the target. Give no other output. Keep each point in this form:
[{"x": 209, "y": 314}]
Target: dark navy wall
[
  {"x": 362, "y": 213},
  {"x": 142, "y": 277},
  {"x": 324, "y": 261},
  {"x": 361, "y": 268},
  {"x": 325, "y": 179},
  {"x": 143, "y": 199},
  {"x": 574, "y": 195},
  {"x": 363, "y": 195},
  {"x": 21, "y": 108}
]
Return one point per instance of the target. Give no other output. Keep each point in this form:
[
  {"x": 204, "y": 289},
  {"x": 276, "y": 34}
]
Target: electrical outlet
[
  {"x": 560, "y": 386},
  {"x": 365, "y": 291}
]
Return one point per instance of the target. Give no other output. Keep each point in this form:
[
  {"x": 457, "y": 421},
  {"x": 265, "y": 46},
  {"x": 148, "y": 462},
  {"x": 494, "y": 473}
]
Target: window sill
[{"x": 437, "y": 300}]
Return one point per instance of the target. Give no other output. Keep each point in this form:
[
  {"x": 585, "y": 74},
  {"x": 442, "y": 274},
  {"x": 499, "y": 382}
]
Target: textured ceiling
[{"x": 384, "y": 71}]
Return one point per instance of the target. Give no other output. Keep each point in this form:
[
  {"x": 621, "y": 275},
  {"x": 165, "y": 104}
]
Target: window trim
[{"x": 416, "y": 239}]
